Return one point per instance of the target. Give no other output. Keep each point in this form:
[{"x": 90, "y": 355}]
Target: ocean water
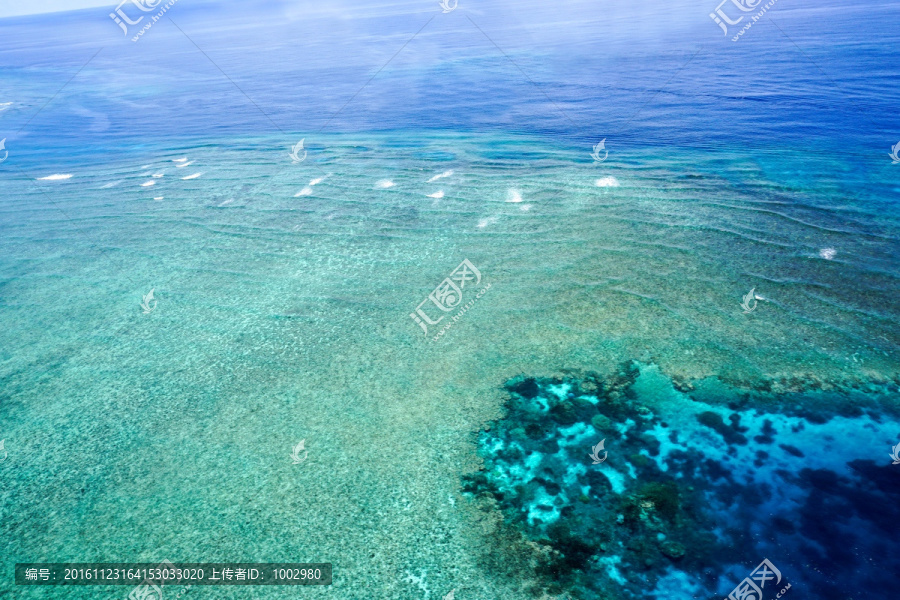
[{"x": 282, "y": 295}]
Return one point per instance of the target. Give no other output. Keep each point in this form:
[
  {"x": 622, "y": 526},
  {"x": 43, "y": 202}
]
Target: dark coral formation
[
  {"x": 666, "y": 502},
  {"x": 569, "y": 504}
]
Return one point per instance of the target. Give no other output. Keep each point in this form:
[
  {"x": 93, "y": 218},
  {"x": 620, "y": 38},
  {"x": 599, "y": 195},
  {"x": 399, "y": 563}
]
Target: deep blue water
[{"x": 643, "y": 77}]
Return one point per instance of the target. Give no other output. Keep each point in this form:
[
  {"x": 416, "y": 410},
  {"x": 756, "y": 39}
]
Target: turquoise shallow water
[
  {"x": 678, "y": 242},
  {"x": 283, "y": 293},
  {"x": 280, "y": 318}
]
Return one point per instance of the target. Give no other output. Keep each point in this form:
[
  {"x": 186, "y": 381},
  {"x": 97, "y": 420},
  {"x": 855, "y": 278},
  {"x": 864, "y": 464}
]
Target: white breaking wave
[
  {"x": 513, "y": 195},
  {"x": 194, "y": 176},
  {"x": 441, "y": 176},
  {"x": 827, "y": 253},
  {"x": 437, "y": 194},
  {"x": 487, "y": 221},
  {"x": 179, "y": 160},
  {"x": 607, "y": 182},
  {"x": 304, "y": 192},
  {"x": 158, "y": 175},
  {"x": 184, "y": 164},
  {"x": 384, "y": 184},
  {"x": 148, "y": 183},
  {"x": 111, "y": 184},
  {"x": 158, "y": 198},
  {"x": 57, "y": 177},
  {"x": 316, "y": 181}
]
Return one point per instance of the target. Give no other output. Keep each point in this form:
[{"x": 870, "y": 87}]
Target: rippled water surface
[{"x": 283, "y": 293}]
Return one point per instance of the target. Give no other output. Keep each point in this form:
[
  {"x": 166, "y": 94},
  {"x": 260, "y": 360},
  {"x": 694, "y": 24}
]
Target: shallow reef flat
[{"x": 283, "y": 317}]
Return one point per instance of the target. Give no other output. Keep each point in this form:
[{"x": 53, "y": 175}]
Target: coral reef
[{"x": 681, "y": 490}]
